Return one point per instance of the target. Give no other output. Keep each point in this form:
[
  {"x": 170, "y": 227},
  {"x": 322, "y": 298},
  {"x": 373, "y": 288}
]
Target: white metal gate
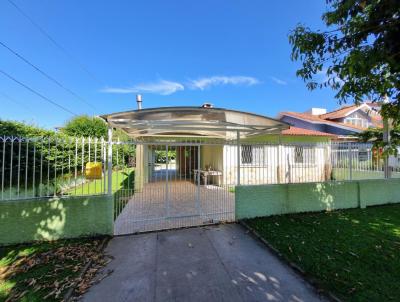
[{"x": 172, "y": 188}]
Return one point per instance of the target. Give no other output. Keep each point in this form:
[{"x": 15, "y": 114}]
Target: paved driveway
[
  {"x": 146, "y": 210},
  {"x": 218, "y": 263}
]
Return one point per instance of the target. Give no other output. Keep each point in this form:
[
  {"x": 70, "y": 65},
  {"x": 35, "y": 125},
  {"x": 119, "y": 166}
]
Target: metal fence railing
[
  {"x": 68, "y": 166},
  {"x": 357, "y": 161},
  {"x": 52, "y": 166}
]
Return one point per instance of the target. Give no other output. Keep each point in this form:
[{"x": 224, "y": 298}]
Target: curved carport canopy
[{"x": 193, "y": 122}]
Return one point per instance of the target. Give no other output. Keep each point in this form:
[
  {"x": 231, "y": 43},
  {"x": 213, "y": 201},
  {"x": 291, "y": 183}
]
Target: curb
[
  {"x": 294, "y": 266},
  {"x": 68, "y": 295}
]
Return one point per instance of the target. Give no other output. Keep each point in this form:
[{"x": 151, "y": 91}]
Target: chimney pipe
[{"x": 139, "y": 101}]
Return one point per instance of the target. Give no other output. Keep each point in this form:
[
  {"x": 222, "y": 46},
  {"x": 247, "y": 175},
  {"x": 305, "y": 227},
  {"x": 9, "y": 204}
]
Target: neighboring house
[{"x": 345, "y": 122}]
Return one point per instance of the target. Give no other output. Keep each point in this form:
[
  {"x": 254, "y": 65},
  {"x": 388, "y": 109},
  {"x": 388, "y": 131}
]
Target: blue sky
[{"x": 234, "y": 54}]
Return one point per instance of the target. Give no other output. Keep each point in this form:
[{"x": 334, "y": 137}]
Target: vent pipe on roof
[
  {"x": 207, "y": 105},
  {"x": 139, "y": 101}
]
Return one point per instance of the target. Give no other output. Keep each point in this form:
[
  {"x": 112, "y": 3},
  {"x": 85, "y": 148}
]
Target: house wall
[
  {"x": 276, "y": 164},
  {"x": 143, "y": 154},
  {"x": 267, "y": 200},
  {"x": 55, "y": 218},
  {"x": 277, "y": 138},
  {"x": 211, "y": 156},
  {"x": 360, "y": 114}
]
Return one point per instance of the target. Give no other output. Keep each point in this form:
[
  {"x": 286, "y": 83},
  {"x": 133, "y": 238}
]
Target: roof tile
[{"x": 306, "y": 132}]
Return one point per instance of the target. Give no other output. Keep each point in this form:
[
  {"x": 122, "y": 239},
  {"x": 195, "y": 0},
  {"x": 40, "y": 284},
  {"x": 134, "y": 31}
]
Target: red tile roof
[
  {"x": 339, "y": 113},
  {"x": 316, "y": 118},
  {"x": 300, "y": 131},
  {"x": 305, "y": 116},
  {"x": 321, "y": 118}
]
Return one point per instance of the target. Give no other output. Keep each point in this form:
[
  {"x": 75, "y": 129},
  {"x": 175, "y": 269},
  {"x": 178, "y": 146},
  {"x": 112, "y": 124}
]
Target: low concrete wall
[
  {"x": 379, "y": 191},
  {"x": 267, "y": 200},
  {"x": 55, "y": 218}
]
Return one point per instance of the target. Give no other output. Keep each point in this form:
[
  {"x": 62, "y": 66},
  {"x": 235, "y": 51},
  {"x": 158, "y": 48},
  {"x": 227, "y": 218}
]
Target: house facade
[
  {"x": 269, "y": 151},
  {"x": 345, "y": 122}
]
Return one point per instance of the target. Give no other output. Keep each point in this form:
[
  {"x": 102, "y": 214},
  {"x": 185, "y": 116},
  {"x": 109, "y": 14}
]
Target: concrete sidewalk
[{"x": 218, "y": 263}]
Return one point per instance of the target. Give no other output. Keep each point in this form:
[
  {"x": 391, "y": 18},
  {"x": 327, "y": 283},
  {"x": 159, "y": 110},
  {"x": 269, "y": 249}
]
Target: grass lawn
[
  {"x": 344, "y": 174},
  {"x": 355, "y": 253},
  {"x": 122, "y": 179},
  {"x": 43, "y": 271}
]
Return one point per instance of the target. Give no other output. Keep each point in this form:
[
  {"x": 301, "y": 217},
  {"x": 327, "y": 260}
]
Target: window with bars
[
  {"x": 247, "y": 154},
  {"x": 304, "y": 155},
  {"x": 252, "y": 155}
]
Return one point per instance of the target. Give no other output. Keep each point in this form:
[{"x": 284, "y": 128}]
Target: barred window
[
  {"x": 247, "y": 154},
  {"x": 304, "y": 155},
  {"x": 298, "y": 155},
  {"x": 252, "y": 155}
]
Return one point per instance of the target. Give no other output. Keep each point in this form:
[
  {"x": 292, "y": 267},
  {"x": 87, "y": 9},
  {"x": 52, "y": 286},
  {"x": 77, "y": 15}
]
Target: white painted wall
[{"x": 276, "y": 164}]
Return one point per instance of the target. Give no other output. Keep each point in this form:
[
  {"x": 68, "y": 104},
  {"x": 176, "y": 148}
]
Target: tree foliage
[
  {"x": 32, "y": 155},
  {"x": 358, "y": 54},
  {"x": 85, "y": 126},
  {"x": 376, "y": 136},
  {"x": 19, "y": 129}
]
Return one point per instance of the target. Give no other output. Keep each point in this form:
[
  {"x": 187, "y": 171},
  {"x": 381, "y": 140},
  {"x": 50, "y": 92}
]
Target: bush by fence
[{"x": 48, "y": 166}]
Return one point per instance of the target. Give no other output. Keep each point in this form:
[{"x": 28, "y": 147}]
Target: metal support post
[
  {"x": 109, "y": 161},
  {"x": 238, "y": 157}
]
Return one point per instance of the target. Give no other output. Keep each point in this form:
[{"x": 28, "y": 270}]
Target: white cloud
[
  {"x": 278, "y": 81},
  {"x": 203, "y": 83},
  {"x": 162, "y": 87}
]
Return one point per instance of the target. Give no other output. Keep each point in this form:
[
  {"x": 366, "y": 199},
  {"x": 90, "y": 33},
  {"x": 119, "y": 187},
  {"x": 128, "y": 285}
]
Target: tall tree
[
  {"x": 85, "y": 126},
  {"x": 358, "y": 53}
]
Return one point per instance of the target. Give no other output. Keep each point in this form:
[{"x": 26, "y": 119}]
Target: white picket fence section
[{"x": 46, "y": 167}]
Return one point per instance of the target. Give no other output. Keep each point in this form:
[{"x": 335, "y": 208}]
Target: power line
[
  {"x": 55, "y": 43},
  {"x": 37, "y": 93},
  {"x": 23, "y": 106},
  {"x": 46, "y": 75}
]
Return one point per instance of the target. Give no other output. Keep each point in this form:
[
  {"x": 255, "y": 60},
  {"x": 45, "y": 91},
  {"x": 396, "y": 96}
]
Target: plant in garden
[
  {"x": 358, "y": 54},
  {"x": 19, "y": 129},
  {"x": 85, "y": 126},
  {"x": 376, "y": 135},
  {"x": 45, "y": 162}
]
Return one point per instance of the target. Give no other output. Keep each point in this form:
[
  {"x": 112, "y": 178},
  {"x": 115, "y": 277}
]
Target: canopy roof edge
[{"x": 193, "y": 121}]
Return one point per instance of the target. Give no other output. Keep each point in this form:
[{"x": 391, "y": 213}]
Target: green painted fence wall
[
  {"x": 55, "y": 218},
  {"x": 379, "y": 191},
  {"x": 267, "y": 200}
]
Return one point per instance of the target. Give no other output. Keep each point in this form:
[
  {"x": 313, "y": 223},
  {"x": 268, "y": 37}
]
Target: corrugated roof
[{"x": 193, "y": 121}]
